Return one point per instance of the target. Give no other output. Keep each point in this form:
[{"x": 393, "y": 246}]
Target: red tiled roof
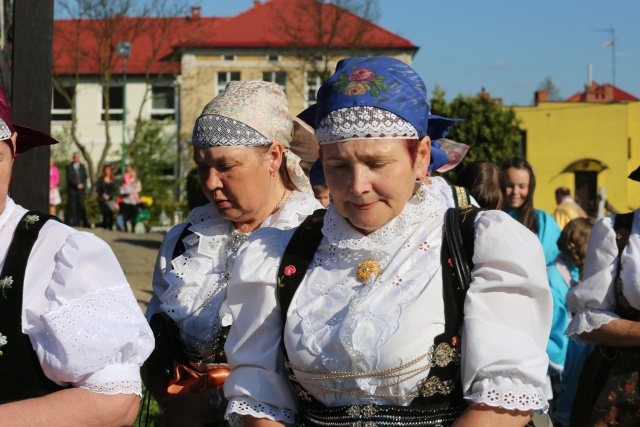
[
  {"x": 600, "y": 93},
  {"x": 76, "y": 46},
  {"x": 154, "y": 41},
  {"x": 288, "y": 23}
]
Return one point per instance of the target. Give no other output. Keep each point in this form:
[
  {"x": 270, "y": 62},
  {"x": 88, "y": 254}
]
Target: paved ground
[{"x": 137, "y": 255}]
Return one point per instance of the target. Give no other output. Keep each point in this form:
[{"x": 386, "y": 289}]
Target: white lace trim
[
  {"x": 586, "y": 320},
  {"x": 509, "y": 393},
  {"x": 361, "y": 122},
  {"x": 212, "y": 130},
  {"x": 115, "y": 379},
  {"x": 249, "y": 406},
  {"x": 341, "y": 233},
  {"x": 5, "y": 132}
]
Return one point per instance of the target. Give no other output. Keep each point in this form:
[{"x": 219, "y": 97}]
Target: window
[
  {"x": 60, "y": 106},
  {"x": 273, "y": 58},
  {"x": 314, "y": 81},
  {"x": 279, "y": 77},
  {"x": 228, "y": 57},
  {"x": 115, "y": 103},
  {"x": 225, "y": 77},
  {"x": 163, "y": 102}
]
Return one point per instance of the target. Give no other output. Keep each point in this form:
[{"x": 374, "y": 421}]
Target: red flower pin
[{"x": 289, "y": 270}]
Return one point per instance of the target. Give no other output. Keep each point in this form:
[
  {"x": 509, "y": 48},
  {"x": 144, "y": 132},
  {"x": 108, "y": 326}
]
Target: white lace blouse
[
  {"x": 593, "y": 301},
  {"x": 192, "y": 288},
  {"x": 337, "y": 324},
  {"x": 78, "y": 309}
]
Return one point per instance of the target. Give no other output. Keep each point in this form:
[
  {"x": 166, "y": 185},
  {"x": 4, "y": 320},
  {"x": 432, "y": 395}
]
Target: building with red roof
[
  {"x": 601, "y": 93},
  {"x": 178, "y": 64}
]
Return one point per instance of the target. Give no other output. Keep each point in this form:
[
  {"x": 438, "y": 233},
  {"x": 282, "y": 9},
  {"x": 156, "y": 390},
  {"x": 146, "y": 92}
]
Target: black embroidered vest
[{"x": 20, "y": 370}]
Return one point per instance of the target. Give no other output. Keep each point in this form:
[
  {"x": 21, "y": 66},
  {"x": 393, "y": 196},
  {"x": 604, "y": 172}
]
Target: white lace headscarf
[{"x": 250, "y": 113}]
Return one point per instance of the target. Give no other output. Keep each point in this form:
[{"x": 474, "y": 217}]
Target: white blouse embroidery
[
  {"x": 335, "y": 323},
  {"x": 78, "y": 309},
  {"x": 594, "y": 299},
  {"x": 192, "y": 288}
]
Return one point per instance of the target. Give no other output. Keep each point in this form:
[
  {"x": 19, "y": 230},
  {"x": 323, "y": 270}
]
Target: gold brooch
[{"x": 368, "y": 268}]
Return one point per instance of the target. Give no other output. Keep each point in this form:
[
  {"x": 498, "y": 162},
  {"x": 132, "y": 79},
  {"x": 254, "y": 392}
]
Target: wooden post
[{"x": 31, "y": 97}]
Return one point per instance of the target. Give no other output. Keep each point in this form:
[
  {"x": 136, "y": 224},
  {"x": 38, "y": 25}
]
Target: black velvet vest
[{"x": 20, "y": 370}]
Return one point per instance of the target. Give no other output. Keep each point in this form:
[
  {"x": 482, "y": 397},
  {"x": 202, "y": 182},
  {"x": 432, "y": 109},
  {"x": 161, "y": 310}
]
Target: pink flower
[
  {"x": 362, "y": 75},
  {"x": 289, "y": 270},
  {"x": 354, "y": 89},
  {"x": 628, "y": 388}
]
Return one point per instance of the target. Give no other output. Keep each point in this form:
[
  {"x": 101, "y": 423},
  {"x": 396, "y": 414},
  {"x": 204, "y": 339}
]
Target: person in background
[
  {"x": 607, "y": 313},
  {"x": 54, "y": 192},
  {"x": 567, "y": 208},
  {"x": 76, "y": 214},
  {"x": 130, "y": 197},
  {"x": 72, "y": 336},
  {"x": 366, "y": 335},
  {"x": 106, "y": 190},
  {"x": 486, "y": 183},
  {"x": 565, "y": 356},
  {"x": 521, "y": 185},
  {"x": 321, "y": 193},
  {"x": 252, "y": 179}
]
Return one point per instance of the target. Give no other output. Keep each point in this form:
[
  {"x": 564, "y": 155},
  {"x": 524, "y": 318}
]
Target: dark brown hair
[
  {"x": 486, "y": 183},
  {"x": 574, "y": 240},
  {"x": 525, "y": 213}
]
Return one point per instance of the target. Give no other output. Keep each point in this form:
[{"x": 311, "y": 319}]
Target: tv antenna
[{"x": 612, "y": 44}]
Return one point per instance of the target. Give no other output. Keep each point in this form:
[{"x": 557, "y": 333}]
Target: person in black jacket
[
  {"x": 107, "y": 189},
  {"x": 76, "y": 186}
]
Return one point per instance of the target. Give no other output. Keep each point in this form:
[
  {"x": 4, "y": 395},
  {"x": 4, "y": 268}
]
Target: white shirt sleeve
[
  {"x": 81, "y": 315},
  {"x": 257, "y": 386},
  {"x": 508, "y": 310},
  {"x": 593, "y": 300}
]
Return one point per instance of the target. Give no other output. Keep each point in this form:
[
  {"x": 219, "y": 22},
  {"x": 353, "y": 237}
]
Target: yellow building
[{"x": 588, "y": 143}]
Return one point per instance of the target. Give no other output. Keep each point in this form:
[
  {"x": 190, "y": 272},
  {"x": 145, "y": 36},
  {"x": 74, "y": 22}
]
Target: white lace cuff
[
  {"x": 249, "y": 406},
  {"x": 508, "y": 393},
  {"x": 588, "y": 319},
  {"x": 114, "y": 379}
]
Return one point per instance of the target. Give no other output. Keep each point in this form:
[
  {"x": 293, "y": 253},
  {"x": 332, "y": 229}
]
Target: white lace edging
[
  {"x": 361, "y": 122},
  {"x": 586, "y": 320},
  {"x": 509, "y": 393},
  {"x": 115, "y": 379},
  {"x": 248, "y": 406}
]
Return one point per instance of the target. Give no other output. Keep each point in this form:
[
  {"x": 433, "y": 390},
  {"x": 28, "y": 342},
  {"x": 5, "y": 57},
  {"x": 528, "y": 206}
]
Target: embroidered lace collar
[{"x": 424, "y": 204}]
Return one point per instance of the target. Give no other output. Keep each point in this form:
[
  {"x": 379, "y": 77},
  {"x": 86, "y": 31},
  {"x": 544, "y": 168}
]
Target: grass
[{"x": 154, "y": 411}]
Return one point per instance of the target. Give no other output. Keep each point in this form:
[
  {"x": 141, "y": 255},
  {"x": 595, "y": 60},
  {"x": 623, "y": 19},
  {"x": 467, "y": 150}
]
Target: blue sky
[{"x": 508, "y": 46}]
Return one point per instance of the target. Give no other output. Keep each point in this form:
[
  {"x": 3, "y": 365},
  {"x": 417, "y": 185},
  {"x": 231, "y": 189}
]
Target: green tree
[
  {"x": 154, "y": 156},
  {"x": 490, "y": 129}
]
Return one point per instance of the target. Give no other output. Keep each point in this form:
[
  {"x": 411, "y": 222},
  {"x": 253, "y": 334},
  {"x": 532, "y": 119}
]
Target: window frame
[
  {"x": 62, "y": 111},
  {"x": 165, "y": 112}
]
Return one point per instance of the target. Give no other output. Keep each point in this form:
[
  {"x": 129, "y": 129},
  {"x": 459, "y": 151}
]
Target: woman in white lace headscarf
[
  {"x": 72, "y": 336},
  {"x": 241, "y": 147},
  {"x": 368, "y": 333}
]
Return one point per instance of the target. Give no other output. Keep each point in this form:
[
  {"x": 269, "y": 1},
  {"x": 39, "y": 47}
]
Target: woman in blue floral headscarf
[{"x": 370, "y": 337}]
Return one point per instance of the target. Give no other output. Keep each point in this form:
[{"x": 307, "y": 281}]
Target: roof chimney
[
  {"x": 256, "y": 3},
  {"x": 195, "y": 12},
  {"x": 541, "y": 95}
]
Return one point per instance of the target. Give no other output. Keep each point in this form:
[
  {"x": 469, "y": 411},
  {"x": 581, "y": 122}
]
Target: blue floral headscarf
[{"x": 387, "y": 84}]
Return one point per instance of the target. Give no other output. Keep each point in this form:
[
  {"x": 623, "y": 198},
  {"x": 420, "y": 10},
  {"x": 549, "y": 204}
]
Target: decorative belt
[{"x": 380, "y": 416}]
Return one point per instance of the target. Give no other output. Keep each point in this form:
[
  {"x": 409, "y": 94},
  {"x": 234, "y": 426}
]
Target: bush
[{"x": 195, "y": 196}]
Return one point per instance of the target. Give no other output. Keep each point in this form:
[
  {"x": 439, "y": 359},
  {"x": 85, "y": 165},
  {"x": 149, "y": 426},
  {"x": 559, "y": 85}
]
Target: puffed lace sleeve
[
  {"x": 507, "y": 317},
  {"x": 258, "y": 383},
  {"x": 81, "y": 315},
  {"x": 594, "y": 299}
]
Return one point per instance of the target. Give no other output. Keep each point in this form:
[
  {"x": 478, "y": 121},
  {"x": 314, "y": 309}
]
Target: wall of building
[{"x": 560, "y": 133}]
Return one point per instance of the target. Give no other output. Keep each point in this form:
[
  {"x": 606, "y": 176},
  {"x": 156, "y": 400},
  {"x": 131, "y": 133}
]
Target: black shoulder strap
[
  {"x": 461, "y": 197},
  {"x": 179, "y": 248},
  {"x": 297, "y": 257},
  {"x": 622, "y": 226},
  {"x": 459, "y": 236}
]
